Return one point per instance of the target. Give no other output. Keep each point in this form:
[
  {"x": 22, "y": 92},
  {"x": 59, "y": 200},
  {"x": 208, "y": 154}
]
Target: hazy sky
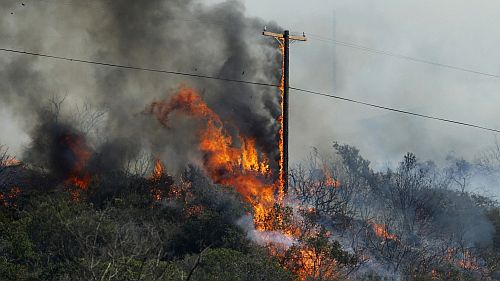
[{"x": 461, "y": 33}]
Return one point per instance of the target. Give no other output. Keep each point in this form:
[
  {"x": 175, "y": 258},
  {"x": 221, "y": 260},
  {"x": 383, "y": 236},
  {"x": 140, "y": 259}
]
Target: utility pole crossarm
[
  {"x": 281, "y": 36},
  {"x": 272, "y": 34},
  {"x": 298, "y": 38}
]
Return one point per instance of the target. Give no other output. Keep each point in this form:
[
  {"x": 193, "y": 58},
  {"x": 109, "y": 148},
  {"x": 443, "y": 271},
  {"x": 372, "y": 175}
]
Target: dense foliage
[
  {"x": 191, "y": 235},
  {"x": 129, "y": 227}
]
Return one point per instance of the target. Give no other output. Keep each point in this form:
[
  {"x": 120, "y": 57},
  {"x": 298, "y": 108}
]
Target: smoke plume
[{"x": 188, "y": 36}]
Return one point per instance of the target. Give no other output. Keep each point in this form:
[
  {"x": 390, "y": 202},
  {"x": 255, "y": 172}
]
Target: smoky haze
[
  {"x": 210, "y": 39},
  {"x": 458, "y": 33},
  {"x": 186, "y": 36}
]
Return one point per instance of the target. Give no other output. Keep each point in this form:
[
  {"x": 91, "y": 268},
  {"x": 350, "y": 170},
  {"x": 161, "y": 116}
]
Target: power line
[
  {"x": 245, "y": 82},
  {"x": 136, "y": 68},
  {"x": 395, "y": 109},
  {"x": 399, "y": 56},
  {"x": 334, "y": 41}
]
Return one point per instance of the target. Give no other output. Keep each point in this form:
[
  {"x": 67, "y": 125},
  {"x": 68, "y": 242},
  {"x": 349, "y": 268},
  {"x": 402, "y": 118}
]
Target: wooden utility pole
[{"x": 285, "y": 39}]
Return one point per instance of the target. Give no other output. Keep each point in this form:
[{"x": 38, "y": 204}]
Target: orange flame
[
  {"x": 329, "y": 180},
  {"x": 79, "y": 176},
  {"x": 158, "y": 170},
  {"x": 250, "y": 157},
  {"x": 382, "y": 232},
  {"x": 239, "y": 163},
  {"x": 466, "y": 260},
  {"x": 157, "y": 175},
  {"x": 243, "y": 167},
  {"x": 308, "y": 263},
  {"x": 11, "y": 161},
  {"x": 307, "y": 258},
  {"x": 187, "y": 101},
  {"x": 157, "y": 194},
  {"x": 81, "y": 182},
  {"x": 281, "y": 177},
  {"x": 311, "y": 265}
]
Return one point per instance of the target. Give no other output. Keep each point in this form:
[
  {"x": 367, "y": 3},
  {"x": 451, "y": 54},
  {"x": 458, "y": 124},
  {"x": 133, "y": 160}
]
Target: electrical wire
[
  {"x": 395, "y": 109},
  {"x": 136, "y": 67},
  {"x": 330, "y": 40},
  {"x": 245, "y": 82},
  {"x": 399, "y": 56}
]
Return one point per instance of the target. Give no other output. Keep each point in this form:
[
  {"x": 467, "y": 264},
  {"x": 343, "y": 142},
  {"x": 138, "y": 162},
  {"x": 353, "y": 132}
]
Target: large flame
[{"x": 239, "y": 165}]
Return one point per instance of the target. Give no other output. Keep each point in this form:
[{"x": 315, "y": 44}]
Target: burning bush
[{"x": 316, "y": 257}]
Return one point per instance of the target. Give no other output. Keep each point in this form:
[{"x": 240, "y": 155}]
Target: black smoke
[{"x": 180, "y": 35}]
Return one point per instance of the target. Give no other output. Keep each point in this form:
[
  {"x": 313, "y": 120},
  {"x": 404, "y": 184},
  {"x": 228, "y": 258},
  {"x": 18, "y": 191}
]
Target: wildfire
[
  {"x": 281, "y": 178},
  {"x": 231, "y": 166},
  {"x": 160, "y": 180},
  {"x": 181, "y": 191},
  {"x": 10, "y": 198},
  {"x": 468, "y": 261},
  {"x": 463, "y": 259},
  {"x": 11, "y": 161},
  {"x": 311, "y": 265},
  {"x": 81, "y": 154},
  {"x": 239, "y": 163},
  {"x": 277, "y": 218},
  {"x": 250, "y": 158},
  {"x": 158, "y": 170},
  {"x": 382, "y": 232},
  {"x": 81, "y": 182},
  {"x": 329, "y": 180},
  {"x": 308, "y": 263},
  {"x": 194, "y": 210},
  {"x": 241, "y": 167},
  {"x": 187, "y": 101},
  {"x": 157, "y": 194}
]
